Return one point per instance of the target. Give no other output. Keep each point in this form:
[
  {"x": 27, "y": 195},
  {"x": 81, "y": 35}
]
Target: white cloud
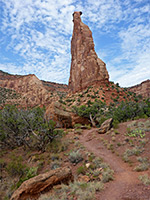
[{"x": 40, "y": 31}]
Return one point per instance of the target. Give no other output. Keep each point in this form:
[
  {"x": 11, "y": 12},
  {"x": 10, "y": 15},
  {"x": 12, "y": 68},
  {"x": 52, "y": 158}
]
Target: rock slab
[
  {"x": 86, "y": 68},
  {"x": 106, "y": 126},
  {"x": 34, "y": 186},
  {"x": 63, "y": 118}
]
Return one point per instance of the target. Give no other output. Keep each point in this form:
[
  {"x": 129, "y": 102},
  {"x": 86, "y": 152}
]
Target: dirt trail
[{"x": 126, "y": 185}]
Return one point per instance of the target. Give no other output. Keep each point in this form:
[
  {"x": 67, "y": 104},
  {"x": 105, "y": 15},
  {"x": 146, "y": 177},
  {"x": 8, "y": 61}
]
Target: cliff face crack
[{"x": 86, "y": 67}]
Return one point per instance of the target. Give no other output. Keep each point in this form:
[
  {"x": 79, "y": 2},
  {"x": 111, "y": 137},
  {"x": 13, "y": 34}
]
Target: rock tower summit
[{"x": 86, "y": 68}]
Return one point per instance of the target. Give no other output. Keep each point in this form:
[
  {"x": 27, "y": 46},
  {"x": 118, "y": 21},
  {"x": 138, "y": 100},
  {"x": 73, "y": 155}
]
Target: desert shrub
[
  {"x": 88, "y": 126},
  {"x": 93, "y": 110},
  {"x": 61, "y": 101},
  {"x": 75, "y": 157},
  {"x": 107, "y": 175},
  {"x": 117, "y": 84},
  {"x": 25, "y": 127},
  {"x": 127, "y": 110},
  {"x": 120, "y": 112},
  {"x": 145, "y": 179},
  {"x": 68, "y": 100},
  {"x": 130, "y": 152},
  {"x": 57, "y": 146},
  {"x": 16, "y": 167},
  {"x": 142, "y": 160},
  {"x": 138, "y": 132},
  {"x": 81, "y": 170},
  {"x": 115, "y": 124},
  {"x": 55, "y": 165},
  {"x": 116, "y": 132},
  {"x": 143, "y": 166},
  {"x": 29, "y": 173},
  {"x": 77, "y": 125},
  {"x": 77, "y": 190}
]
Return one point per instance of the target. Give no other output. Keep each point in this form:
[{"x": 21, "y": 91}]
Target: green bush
[
  {"x": 145, "y": 179},
  {"x": 107, "y": 175},
  {"x": 142, "y": 167},
  {"x": 29, "y": 173},
  {"x": 25, "y": 127},
  {"x": 77, "y": 125},
  {"x": 136, "y": 133},
  {"x": 130, "y": 152},
  {"x": 16, "y": 167},
  {"x": 81, "y": 170},
  {"x": 120, "y": 112},
  {"x": 75, "y": 157}
]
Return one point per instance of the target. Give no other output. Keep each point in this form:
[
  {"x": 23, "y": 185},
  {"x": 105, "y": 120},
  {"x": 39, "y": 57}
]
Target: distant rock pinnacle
[{"x": 86, "y": 68}]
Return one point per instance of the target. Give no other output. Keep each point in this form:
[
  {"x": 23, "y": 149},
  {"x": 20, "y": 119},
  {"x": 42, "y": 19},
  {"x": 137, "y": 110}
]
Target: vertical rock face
[{"x": 86, "y": 67}]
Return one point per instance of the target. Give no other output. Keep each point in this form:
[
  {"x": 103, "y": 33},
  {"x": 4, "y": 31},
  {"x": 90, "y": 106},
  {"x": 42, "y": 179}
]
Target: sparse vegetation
[
  {"x": 145, "y": 179},
  {"x": 7, "y": 94},
  {"x": 130, "y": 152},
  {"x": 120, "y": 113},
  {"x": 28, "y": 128},
  {"x": 107, "y": 175},
  {"x": 79, "y": 190},
  {"x": 143, "y": 166},
  {"x": 75, "y": 157}
]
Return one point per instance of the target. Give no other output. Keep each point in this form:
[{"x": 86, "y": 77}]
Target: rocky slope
[
  {"x": 30, "y": 90},
  {"x": 86, "y": 68},
  {"x": 142, "y": 89}
]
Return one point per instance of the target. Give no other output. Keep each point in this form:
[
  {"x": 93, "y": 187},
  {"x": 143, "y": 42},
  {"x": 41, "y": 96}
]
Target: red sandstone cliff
[
  {"x": 32, "y": 91},
  {"x": 86, "y": 67},
  {"x": 142, "y": 89}
]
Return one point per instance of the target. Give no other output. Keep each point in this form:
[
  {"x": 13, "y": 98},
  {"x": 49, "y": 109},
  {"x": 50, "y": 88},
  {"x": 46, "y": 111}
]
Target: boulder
[
  {"x": 86, "y": 68},
  {"x": 41, "y": 183},
  {"x": 56, "y": 111},
  {"x": 63, "y": 117},
  {"x": 106, "y": 126}
]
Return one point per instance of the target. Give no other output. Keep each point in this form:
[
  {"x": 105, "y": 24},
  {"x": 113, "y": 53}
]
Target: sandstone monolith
[{"x": 86, "y": 68}]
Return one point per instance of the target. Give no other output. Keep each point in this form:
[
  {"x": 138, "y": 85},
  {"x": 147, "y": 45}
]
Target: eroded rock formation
[
  {"x": 86, "y": 67},
  {"x": 142, "y": 89},
  {"x": 63, "y": 117},
  {"x": 32, "y": 91},
  {"x": 33, "y": 187}
]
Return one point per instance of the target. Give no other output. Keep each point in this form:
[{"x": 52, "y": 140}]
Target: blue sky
[{"x": 35, "y": 37}]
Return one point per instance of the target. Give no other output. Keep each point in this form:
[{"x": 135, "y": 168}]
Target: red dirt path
[{"x": 126, "y": 185}]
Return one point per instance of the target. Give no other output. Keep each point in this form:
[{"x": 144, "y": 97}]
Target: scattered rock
[
  {"x": 87, "y": 165},
  {"x": 84, "y": 178},
  {"x": 106, "y": 126},
  {"x": 41, "y": 183},
  {"x": 86, "y": 68}
]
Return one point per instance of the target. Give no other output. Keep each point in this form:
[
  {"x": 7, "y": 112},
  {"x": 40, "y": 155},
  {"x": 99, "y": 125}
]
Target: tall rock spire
[{"x": 86, "y": 68}]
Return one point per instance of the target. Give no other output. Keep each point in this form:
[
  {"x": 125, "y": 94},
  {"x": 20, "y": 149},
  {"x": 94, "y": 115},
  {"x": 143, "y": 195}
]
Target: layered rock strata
[
  {"x": 32, "y": 91},
  {"x": 142, "y": 89},
  {"x": 86, "y": 67}
]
